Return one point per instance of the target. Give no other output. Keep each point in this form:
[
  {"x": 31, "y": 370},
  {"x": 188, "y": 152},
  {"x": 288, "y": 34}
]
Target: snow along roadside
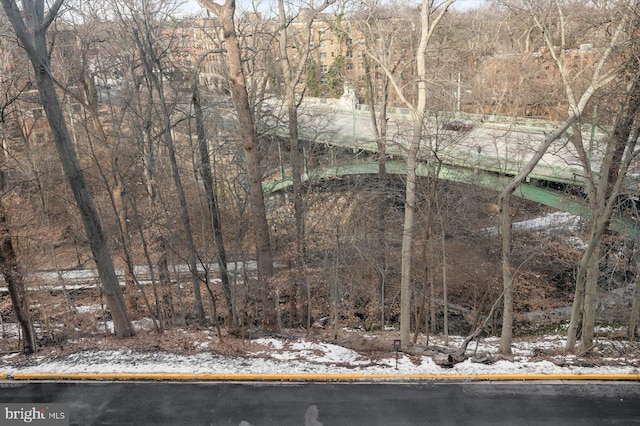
[{"x": 302, "y": 360}]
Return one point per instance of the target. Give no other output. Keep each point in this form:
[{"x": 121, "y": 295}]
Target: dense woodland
[{"x": 118, "y": 157}]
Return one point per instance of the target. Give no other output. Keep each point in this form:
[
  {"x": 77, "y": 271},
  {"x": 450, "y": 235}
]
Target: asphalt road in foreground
[{"x": 328, "y": 404}]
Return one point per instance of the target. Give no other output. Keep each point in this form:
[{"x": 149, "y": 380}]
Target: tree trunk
[
  {"x": 212, "y": 203},
  {"x": 298, "y": 202},
  {"x": 602, "y": 193},
  {"x": 590, "y": 302},
  {"x": 15, "y": 284},
  {"x": 427, "y": 27},
  {"x": 159, "y": 239},
  {"x": 33, "y": 38},
  {"x": 147, "y": 53},
  {"x": 186, "y": 222},
  {"x": 380, "y": 128},
  {"x": 576, "y": 310},
  {"x": 292, "y": 74},
  {"x": 249, "y": 145},
  {"x": 129, "y": 274},
  {"x": 154, "y": 285},
  {"x": 584, "y": 305},
  {"x": 164, "y": 275},
  {"x": 132, "y": 286},
  {"x": 505, "y": 222},
  {"x": 406, "y": 254},
  {"x": 635, "y": 305},
  {"x": 426, "y": 279},
  {"x": 445, "y": 296},
  {"x": 407, "y": 235},
  {"x": 507, "y": 275}
]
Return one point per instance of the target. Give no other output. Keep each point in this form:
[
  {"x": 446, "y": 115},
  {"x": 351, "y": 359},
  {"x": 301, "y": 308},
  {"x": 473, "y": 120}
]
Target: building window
[
  {"x": 323, "y": 56},
  {"x": 349, "y": 54},
  {"x": 349, "y": 66},
  {"x": 349, "y": 42},
  {"x": 324, "y": 68}
]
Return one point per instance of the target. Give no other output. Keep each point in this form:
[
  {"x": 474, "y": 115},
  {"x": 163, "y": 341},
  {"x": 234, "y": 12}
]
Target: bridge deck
[{"x": 482, "y": 156}]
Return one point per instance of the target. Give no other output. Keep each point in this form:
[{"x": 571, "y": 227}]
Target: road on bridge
[
  {"x": 491, "y": 146},
  {"x": 316, "y": 404}
]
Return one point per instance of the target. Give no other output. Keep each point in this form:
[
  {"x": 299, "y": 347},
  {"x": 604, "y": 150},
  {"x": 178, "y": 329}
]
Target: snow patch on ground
[
  {"x": 302, "y": 356},
  {"x": 320, "y": 353},
  {"x": 548, "y": 223}
]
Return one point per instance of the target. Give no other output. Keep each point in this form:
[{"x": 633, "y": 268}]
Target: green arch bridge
[{"x": 531, "y": 190}]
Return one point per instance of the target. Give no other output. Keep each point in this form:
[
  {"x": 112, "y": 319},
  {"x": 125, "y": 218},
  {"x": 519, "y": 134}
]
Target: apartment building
[
  {"x": 337, "y": 57},
  {"x": 24, "y": 118},
  {"x": 529, "y": 85}
]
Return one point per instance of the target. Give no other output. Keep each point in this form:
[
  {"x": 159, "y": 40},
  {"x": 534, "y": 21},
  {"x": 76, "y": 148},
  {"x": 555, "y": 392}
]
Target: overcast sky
[{"x": 192, "y": 6}]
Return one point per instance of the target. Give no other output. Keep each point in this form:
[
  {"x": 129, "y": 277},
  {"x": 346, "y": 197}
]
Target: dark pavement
[{"x": 315, "y": 404}]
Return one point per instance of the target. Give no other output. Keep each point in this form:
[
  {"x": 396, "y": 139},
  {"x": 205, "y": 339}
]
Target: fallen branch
[
  {"x": 463, "y": 348},
  {"x": 447, "y": 358}
]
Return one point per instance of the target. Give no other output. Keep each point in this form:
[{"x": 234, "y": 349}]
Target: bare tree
[
  {"x": 635, "y": 303},
  {"x": 378, "y": 33},
  {"x": 226, "y": 13},
  {"x": 129, "y": 101},
  {"x": 8, "y": 259},
  {"x": 430, "y": 17},
  {"x": 296, "y": 33},
  {"x": 14, "y": 279},
  {"x": 91, "y": 124},
  {"x": 603, "y": 184},
  {"x": 30, "y": 25},
  {"x": 600, "y": 77},
  {"x": 212, "y": 198},
  {"x": 144, "y": 28}
]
